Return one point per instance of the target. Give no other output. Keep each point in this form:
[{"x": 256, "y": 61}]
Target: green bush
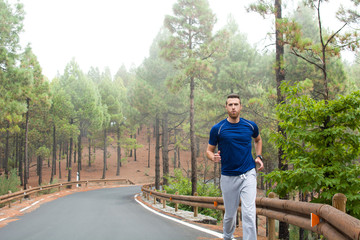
[
  {"x": 9, "y": 184},
  {"x": 52, "y": 190},
  {"x": 182, "y": 185}
]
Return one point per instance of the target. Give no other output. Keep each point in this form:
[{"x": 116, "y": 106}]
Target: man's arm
[
  {"x": 211, "y": 155},
  {"x": 258, "y": 150}
]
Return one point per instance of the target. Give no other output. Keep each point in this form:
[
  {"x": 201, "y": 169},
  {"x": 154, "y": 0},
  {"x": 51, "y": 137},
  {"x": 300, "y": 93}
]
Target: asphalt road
[{"x": 110, "y": 213}]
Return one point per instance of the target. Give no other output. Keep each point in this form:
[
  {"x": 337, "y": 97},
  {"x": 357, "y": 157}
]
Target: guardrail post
[
  {"x": 164, "y": 200},
  {"x": 29, "y": 196},
  {"x": 196, "y": 209},
  {"x": 9, "y": 192},
  {"x": 176, "y": 204},
  {"x": 271, "y": 222},
  {"x": 339, "y": 202}
]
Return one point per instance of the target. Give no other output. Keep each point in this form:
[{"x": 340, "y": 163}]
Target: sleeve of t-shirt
[
  {"x": 213, "y": 136},
  {"x": 256, "y": 131}
]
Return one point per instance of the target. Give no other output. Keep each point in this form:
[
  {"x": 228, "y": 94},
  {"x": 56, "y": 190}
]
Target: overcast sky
[{"x": 109, "y": 33}]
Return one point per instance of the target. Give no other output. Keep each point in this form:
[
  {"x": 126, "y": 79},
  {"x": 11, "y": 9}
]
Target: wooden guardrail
[
  {"x": 334, "y": 224},
  {"x": 9, "y": 198}
]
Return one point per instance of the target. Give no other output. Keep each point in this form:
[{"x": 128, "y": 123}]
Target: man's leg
[
  {"x": 230, "y": 190},
  {"x": 248, "y": 206}
]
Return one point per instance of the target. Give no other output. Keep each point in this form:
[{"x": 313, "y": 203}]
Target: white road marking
[
  {"x": 216, "y": 234},
  {"x": 31, "y": 205}
]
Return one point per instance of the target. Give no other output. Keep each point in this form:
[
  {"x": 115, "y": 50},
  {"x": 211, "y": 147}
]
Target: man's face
[{"x": 233, "y": 107}]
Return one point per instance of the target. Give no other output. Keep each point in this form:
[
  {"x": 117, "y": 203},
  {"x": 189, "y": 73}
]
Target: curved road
[{"x": 110, "y": 213}]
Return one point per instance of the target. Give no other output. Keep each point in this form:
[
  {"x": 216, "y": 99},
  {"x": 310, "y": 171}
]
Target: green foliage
[
  {"x": 43, "y": 151},
  {"x": 182, "y": 185},
  {"x": 322, "y": 145},
  {"x": 86, "y": 107},
  {"x": 51, "y": 190},
  {"x": 9, "y": 184},
  {"x": 294, "y": 233},
  {"x": 12, "y": 81}
]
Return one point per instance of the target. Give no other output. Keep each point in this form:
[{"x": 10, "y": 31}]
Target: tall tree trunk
[
  {"x": 53, "y": 164},
  {"x": 165, "y": 151},
  {"x": 66, "y": 151},
  {"x": 197, "y": 139},
  {"x": 157, "y": 153},
  {"x": 13, "y": 151},
  {"x": 60, "y": 159},
  {"x": 301, "y": 230},
  {"x": 280, "y": 77},
  {"x": 37, "y": 166},
  {"x": 118, "y": 160},
  {"x": 135, "y": 148},
  {"x": 149, "y": 140},
  {"x": 89, "y": 140},
  {"x": 192, "y": 138},
  {"x": 40, "y": 162},
  {"x": 178, "y": 155},
  {"x": 105, "y": 154},
  {"x": 16, "y": 151},
  {"x": 70, "y": 154},
  {"x": 6, "y": 158},
  {"x": 94, "y": 149},
  {"x": 175, "y": 148},
  {"x": 323, "y": 59},
  {"x": 79, "y": 154},
  {"x": 75, "y": 149},
  {"x": 131, "y": 151},
  {"x": 21, "y": 175},
  {"x": 26, "y": 144}
]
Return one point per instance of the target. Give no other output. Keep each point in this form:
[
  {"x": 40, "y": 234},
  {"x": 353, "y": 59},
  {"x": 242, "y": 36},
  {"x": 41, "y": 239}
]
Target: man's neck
[{"x": 233, "y": 120}]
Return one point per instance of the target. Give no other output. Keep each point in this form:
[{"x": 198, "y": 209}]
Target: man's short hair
[{"x": 233, "y": 95}]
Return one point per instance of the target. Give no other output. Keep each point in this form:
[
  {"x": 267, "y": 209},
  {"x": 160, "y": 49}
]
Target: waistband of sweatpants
[{"x": 239, "y": 175}]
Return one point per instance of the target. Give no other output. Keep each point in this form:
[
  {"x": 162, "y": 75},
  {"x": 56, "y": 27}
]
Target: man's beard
[{"x": 234, "y": 115}]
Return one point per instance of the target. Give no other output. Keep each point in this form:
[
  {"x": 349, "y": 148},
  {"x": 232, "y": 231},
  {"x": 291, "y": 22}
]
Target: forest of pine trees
[{"x": 303, "y": 95}]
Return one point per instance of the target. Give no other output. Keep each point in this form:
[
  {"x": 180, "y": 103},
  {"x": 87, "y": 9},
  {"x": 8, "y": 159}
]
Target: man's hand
[
  {"x": 217, "y": 157},
  {"x": 258, "y": 161},
  {"x": 211, "y": 155}
]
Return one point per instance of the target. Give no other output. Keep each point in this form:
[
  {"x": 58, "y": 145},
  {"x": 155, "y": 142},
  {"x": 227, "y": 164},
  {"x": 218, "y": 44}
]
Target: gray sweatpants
[{"x": 233, "y": 189}]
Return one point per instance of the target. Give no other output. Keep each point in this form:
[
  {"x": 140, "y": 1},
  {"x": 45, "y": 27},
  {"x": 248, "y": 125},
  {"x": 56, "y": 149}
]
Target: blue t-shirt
[{"x": 234, "y": 143}]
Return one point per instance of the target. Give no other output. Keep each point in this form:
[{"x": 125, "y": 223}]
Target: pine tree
[{"x": 192, "y": 48}]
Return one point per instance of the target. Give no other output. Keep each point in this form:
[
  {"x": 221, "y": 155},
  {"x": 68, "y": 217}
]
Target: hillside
[{"x": 136, "y": 171}]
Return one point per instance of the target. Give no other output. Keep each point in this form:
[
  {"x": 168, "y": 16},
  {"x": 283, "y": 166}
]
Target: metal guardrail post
[{"x": 271, "y": 222}]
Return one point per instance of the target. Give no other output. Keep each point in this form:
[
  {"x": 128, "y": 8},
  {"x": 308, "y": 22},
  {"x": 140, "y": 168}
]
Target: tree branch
[
  {"x": 305, "y": 59},
  {"x": 332, "y": 36}
]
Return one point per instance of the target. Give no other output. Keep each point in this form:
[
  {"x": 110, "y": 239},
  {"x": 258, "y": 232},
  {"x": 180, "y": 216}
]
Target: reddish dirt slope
[{"x": 136, "y": 171}]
